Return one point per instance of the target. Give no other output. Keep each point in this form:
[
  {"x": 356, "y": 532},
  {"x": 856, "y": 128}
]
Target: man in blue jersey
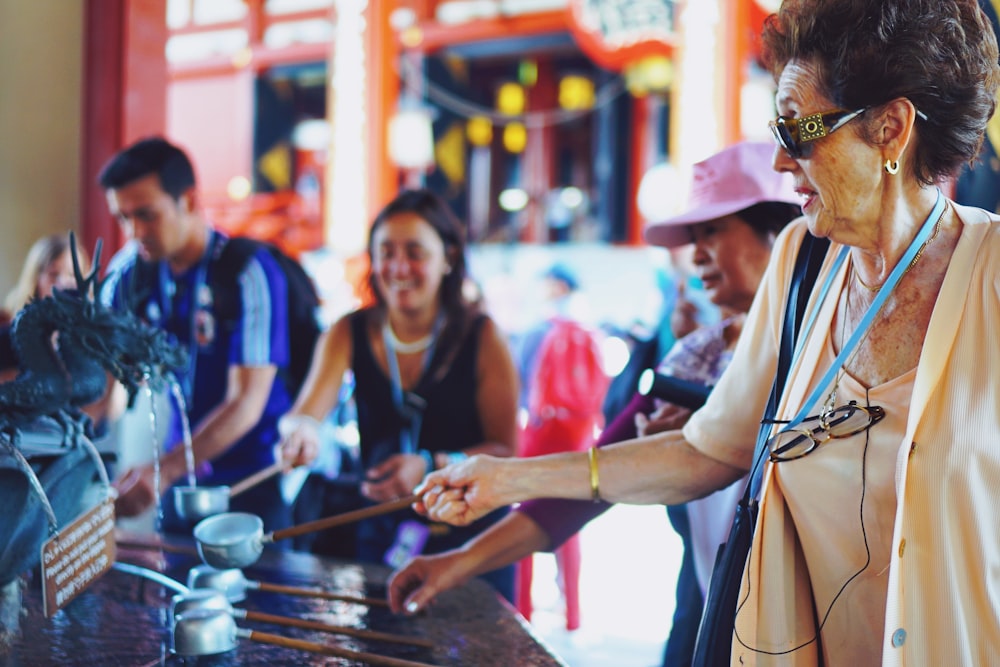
[{"x": 232, "y": 323}]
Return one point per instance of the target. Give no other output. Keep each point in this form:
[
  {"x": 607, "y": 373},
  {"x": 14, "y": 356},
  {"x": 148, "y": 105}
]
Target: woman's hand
[
  {"x": 299, "y": 439},
  {"x": 668, "y": 417},
  {"x": 416, "y": 584},
  {"x": 393, "y": 478},
  {"x": 466, "y": 491}
]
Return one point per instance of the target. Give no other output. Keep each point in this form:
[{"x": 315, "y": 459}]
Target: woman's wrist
[
  {"x": 290, "y": 423},
  {"x": 565, "y": 475}
]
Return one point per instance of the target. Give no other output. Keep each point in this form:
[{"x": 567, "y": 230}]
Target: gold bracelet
[{"x": 595, "y": 485}]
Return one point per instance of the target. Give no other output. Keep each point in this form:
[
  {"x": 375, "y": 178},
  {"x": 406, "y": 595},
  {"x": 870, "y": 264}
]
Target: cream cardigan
[{"x": 943, "y": 605}]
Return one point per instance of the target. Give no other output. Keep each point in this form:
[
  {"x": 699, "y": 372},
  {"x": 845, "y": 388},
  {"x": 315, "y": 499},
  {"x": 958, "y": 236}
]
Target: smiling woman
[{"x": 434, "y": 381}]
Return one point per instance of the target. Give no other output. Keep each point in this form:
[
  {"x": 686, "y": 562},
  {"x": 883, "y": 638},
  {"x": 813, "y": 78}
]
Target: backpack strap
[{"x": 232, "y": 259}]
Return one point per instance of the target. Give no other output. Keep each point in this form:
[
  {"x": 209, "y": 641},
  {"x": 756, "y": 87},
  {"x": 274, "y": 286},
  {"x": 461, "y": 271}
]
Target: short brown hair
[{"x": 939, "y": 54}]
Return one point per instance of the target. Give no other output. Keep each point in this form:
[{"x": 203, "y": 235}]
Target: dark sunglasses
[{"x": 792, "y": 133}]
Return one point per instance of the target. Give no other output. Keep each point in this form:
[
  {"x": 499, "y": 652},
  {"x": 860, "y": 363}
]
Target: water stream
[
  {"x": 155, "y": 440},
  {"x": 178, "y": 394}
]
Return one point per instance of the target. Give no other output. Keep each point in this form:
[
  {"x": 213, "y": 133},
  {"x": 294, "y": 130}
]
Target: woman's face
[
  {"x": 59, "y": 273},
  {"x": 840, "y": 175},
  {"x": 408, "y": 263},
  {"x": 730, "y": 258}
]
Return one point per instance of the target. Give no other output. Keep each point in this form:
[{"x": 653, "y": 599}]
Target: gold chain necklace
[{"x": 913, "y": 262}]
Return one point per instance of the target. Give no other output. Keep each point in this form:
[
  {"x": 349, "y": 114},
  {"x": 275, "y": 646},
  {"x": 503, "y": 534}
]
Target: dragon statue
[{"x": 67, "y": 345}]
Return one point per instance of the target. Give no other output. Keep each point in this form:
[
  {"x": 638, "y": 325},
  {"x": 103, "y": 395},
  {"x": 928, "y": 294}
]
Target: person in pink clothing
[
  {"x": 878, "y": 534},
  {"x": 563, "y": 387}
]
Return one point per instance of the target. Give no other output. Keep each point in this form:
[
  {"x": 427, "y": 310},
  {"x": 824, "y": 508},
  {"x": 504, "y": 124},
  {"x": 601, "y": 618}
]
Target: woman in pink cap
[{"x": 736, "y": 208}]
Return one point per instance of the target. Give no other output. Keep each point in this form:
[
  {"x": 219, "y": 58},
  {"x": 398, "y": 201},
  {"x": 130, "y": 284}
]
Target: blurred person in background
[
  {"x": 563, "y": 386},
  {"x": 48, "y": 265},
  {"x": 434, "y": 381},
  {"x": 174, "y": 273}
]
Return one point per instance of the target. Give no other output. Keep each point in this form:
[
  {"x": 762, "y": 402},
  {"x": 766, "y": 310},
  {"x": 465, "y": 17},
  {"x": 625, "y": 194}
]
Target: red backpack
[{"x": 569, "y": 378}]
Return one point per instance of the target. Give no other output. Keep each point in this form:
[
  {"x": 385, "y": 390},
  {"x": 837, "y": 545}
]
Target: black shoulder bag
[{"x": 715, "y": 635}]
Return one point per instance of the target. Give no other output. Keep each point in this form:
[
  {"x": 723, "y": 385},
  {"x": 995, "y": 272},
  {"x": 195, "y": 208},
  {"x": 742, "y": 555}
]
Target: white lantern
[{"x": 411, "y": 139}]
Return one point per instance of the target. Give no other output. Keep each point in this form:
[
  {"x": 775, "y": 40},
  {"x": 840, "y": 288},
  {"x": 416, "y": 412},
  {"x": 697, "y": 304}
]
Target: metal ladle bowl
[
  {"x": 203, "y": 598},
  {"x": 194, "y": 503},
  {"x": 230, "y": 582},
  {"x": 208, "y": 599},
  {"x": 204, "y": 632},
  {"x": 230, "y": 540},
  {"x": 234, "y": 585},
  {"x": 201, "y": 631},
  {"x": 237, "y": 539}
]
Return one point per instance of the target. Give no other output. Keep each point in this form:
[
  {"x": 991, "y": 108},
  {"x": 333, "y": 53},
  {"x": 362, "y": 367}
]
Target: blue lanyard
[
  {"x": 168, "y": 290},
  {"x": 883, "y": 294},
  {"x": 407, "y": 438}
]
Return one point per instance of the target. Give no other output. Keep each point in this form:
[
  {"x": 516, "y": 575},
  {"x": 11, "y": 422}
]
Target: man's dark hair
[{"x": 154, "y": 155}]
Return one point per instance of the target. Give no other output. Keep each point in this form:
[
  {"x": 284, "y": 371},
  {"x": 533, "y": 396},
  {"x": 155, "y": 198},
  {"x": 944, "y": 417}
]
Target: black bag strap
[{"x": 810, "y": 258}]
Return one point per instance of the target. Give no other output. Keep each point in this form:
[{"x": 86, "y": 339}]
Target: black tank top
[
  {"x": 450, "y": 422},
  {"x": 451, "y": 417}
]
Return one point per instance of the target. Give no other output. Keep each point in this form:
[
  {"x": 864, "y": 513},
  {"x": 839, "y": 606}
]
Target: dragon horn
[
  {"x": 98, "y": 282},
  {"x": 80, "y": 282}
]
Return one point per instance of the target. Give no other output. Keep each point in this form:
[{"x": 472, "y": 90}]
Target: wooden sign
[{"x": 77, "y": 556}]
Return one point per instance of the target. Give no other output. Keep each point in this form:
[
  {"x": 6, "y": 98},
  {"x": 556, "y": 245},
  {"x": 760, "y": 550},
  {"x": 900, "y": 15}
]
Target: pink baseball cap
[{"x": 733, "y": 179}]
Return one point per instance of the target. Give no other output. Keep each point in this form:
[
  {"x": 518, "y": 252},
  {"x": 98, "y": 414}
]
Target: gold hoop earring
[{"x": 892, "y": 167}]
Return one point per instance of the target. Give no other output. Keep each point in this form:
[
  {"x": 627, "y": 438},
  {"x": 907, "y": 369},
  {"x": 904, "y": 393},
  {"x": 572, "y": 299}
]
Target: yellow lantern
[
  {"x": 515, "y": 137},
  {"x": 510, "y": 99},
  {"x": 653, "y": 74},
  {"x": 479, "y": 130},
  {"x": 576, "y": 93},
  {"x": 659, "y": 73}
]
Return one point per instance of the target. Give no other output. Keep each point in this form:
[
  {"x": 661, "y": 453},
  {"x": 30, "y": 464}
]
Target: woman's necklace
[
  {"x": 399, "y": 346},
  {"x": 916, "y": 258}
]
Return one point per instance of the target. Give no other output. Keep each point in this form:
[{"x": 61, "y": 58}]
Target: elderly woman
[{"x": 876, "y": 543}]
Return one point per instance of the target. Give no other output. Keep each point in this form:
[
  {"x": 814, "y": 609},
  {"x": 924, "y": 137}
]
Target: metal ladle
[
  {"x": 210, "y": 631},
  {"x": 194, "y": 503},
  {"x": 237, "y": 539},
  {"x": 234, "y": 585},
  {"x": 204, "y": 598}
]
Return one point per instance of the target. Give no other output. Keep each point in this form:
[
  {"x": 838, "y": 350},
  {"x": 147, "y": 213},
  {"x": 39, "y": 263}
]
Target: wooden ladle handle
[
  {"x": 343, "y": 519},
  {"x": 337, "y": 629},
  {"x": 314, "y": 647},
  {"x": 256, "y": 478}
]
